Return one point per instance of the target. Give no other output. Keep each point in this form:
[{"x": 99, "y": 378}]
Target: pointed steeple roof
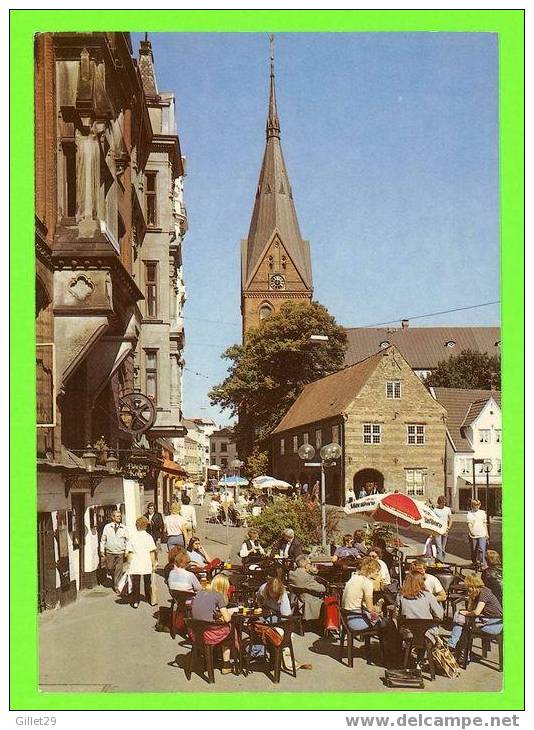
[
  {"x": 146, "y": 69},
  {"x": 274, "y": 210}
]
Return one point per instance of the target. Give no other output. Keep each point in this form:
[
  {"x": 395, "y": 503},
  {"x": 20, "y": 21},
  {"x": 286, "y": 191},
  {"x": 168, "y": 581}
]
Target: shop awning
[{"x": 171, "y": 467}]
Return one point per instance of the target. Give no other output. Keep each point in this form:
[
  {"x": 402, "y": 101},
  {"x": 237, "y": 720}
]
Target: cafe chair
[
  {"x": 364, "y": 635},
  {"x": 474, "y": 632},
  {"x": 201, "y": 647},
  {"x": 180, "y": 607},
  {"x": 289, "y": 626},
  {"x": 413, "y": 634}
]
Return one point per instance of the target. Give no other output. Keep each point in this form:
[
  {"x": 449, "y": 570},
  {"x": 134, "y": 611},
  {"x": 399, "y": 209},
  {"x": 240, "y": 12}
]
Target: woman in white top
[
  {"x": 181, "y": 579},
  {"x": 358, "y": 596},
  {"x": 141, "y": 552},
  {"x": 384, "y": 578},
  {"x": 175, "y": 526}
]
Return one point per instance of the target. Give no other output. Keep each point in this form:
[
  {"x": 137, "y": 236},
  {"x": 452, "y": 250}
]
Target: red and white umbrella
[{"x": 398, "y": 509}]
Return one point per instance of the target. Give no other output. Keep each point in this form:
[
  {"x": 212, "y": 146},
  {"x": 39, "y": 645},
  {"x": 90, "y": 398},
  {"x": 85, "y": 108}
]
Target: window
[
  {"x": 224, "y": 447},
  {"x": 224, "y": 462},
  {"x": 151, "y": 369},
  {"x": 465, "y": 466},
  {"x": 295, "y": 444},
  {"x": 415, "y": 482},
  {"x": 498, "y": 435},
  {"x": 318, "y": 438},
  {"x": 416, "y": 433},
  {"x": 150, "y": 196},
  {"x": 484, "y": 436},
  {"x": 306, "y": 438},
  {"x": 282, "y": 447},
  {"x": 151, "y": 288},
  {"x": 213, "y": 446},
  {"x": 372, "y": 433},
  {"x": 265, "y": 311},
  {"x": 393, "y": 389},
  {"x": 497, "y": 466},
  {"x": 335, "y": 434},
  {"x": 69, "y": 153}
]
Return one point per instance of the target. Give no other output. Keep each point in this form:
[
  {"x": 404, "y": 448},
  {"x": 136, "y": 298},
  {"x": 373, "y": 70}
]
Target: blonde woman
[
  {"x": 210, "y": 604},
  {"x": 483, "y": 605},
  {"x": 358, "y": 596},
  {"x": 176, "y": 527}
]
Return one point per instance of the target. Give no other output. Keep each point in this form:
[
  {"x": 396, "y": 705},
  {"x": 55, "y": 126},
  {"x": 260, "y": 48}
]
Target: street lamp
[
  {"x": 328, "y": 453},
  {"x": 89, "y": 458},
  {"x": 112, "y": 462},
  {"x": 487, "y": 466}
]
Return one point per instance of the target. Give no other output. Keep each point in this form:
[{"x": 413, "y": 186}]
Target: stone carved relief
[{"x": 81, "y": 288}]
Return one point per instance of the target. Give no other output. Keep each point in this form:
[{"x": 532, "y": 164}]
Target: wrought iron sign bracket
[{"x": 82, "y": 482}]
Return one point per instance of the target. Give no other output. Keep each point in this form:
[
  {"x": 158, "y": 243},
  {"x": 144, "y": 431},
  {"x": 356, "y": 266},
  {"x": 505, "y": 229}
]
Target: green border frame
[{"x": 509, "y": 24}]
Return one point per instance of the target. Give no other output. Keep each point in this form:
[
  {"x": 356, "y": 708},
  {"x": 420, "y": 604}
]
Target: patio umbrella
[
  {"x": 233, "y": 481},
  {"x": 398, "y": 509},
  {"x": 266, "y": 482}
]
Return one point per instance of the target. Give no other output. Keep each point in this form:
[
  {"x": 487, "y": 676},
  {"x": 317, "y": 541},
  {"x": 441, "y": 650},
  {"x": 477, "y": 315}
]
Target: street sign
[{"x": 312, "y": 463}]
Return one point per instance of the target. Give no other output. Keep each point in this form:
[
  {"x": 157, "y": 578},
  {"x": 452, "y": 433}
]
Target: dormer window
[
  {"x": 450, "y": 343},
  {"x": 384, "y": 344}
]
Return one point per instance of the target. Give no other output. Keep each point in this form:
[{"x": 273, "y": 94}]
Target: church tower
[{"x": 275, "y": 260}]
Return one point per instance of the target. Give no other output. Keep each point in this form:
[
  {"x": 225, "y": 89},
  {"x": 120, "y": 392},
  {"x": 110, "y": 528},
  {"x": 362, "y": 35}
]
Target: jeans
[
  {"x": 478, "y": 551},
  {"x": 487, "y": 625},
  {"x": 175, "y": 540},
  {"x": 136, "y": 587},
  {"x": 359, "y": 622},
  {"x": 440, "y": 542}
]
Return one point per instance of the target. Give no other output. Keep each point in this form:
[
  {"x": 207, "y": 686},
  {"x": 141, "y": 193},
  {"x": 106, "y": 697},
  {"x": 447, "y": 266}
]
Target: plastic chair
[
  {"x": 199, "y": 648},
  {"x": 179, "y": 609},
  {"x": 475, "y": 632},
  {"x": 289, "y": 626},
  {"x": 364, "y": 635},
  {"x": 413, "y": 633}
]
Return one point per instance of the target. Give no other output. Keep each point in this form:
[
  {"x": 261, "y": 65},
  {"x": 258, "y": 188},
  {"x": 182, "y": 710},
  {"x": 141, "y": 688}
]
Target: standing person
[
  {"x": 141, "y": 553},
  {"x": 350, "y": 496},
  {"x": 156, "y": 528},
  {"x": 316, "y": 492},
  {"x": 445, "y": 514},
  {"x": 477, "y": 525},
  {"x": 113, "y": 545},
  {"x": 363, "y": 492},
  {"x": 175, "y": 526},
  {"x": 305, "y": 489},
  {"x": 189, "y": 514},
  {"x": 201, "y": 493},
  {"x": 298, "y": 488}
]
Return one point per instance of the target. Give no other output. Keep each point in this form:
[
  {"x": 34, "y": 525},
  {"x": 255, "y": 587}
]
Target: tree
[
  {"x": 275, "y": 362},
  {"x": 467, "y": 370},
  {"x": 303, "y": 516},
  {"x": 257, "y": 463}
]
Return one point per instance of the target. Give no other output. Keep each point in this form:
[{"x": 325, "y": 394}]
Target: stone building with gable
[{"x": 390, "y": 428}]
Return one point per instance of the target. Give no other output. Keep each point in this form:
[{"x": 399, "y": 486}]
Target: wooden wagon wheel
[{"x": 137, "y": 413}]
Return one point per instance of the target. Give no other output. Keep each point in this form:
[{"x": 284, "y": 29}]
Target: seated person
[
  {"x": 210, "y": 604},
  {"x": 181, "y": 579},
  {"x": 273, "y": 596},
  {"x": 358, "y": 597},
  {"x": 347, "y": 550},
  {"x": 384, "y": 579},
  {"x": 492, "y": 575},
  {"x": 432, "y": 584},
  {"x": 302, "y": 579},
  {"x": 482, "y": 605},
  {"x": 358, "y": 543},
  {"x": 214, "y": 507},
  {"x": 197, "y": 554},
  {"x": 288, "y": 546},
  {"x": 170, "y": 561},
  {"x": 251, "y": 546},
  {"x": 418, "y": 603}
]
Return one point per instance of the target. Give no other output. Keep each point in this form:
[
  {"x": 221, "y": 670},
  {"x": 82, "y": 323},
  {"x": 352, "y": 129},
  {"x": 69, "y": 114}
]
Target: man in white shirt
[
  {"x": 189, "y": 513},
  {"x": 445, "y": 515},
  {"x": 477, "y": 525},
  {"x": 201, "y": 491},
  {"x": 432, "y": 584}
]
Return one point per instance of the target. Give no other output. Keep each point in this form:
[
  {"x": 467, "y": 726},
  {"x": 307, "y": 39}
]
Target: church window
[{"x": 265, "y": 311}]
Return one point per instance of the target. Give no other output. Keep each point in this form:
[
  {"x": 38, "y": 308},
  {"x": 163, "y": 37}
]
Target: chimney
[{"x": 405, "y": 323}]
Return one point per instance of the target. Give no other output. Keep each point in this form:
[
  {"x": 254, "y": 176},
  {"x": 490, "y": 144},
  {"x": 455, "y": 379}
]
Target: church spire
[
  {"x": 273, "y": 123},
  {"x": 146, "y": 69}
]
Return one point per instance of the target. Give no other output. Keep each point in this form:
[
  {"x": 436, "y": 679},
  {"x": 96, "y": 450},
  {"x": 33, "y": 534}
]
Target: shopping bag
[
  {"x": 124, "y": 585},
  {"x": 153, "y": 591},
  {"x": 445, "y": 659}
]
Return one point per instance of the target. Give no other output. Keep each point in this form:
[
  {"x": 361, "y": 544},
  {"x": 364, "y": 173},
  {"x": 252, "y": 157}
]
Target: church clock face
[{"x": 277, "y": 282}]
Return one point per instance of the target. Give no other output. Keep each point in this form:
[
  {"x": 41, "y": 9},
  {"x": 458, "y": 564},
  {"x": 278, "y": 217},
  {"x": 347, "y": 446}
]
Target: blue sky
[{"x": 391, "y": 145}]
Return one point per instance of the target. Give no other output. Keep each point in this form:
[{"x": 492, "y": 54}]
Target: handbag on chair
[{"x": 331, "y": 614}]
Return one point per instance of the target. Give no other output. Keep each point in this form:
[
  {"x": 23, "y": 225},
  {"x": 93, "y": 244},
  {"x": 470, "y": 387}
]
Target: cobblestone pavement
[{"x": 99, "y": 644}]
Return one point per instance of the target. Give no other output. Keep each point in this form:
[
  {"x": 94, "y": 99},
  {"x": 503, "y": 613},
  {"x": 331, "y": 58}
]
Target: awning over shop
[{"x": 171, "y": 467}]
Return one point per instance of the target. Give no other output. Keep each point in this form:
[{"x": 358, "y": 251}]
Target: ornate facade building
[
  {"x": 93, "y": 139},
  {"x": 158, "y": 269},
  {"x": 275, "y": 260}
]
